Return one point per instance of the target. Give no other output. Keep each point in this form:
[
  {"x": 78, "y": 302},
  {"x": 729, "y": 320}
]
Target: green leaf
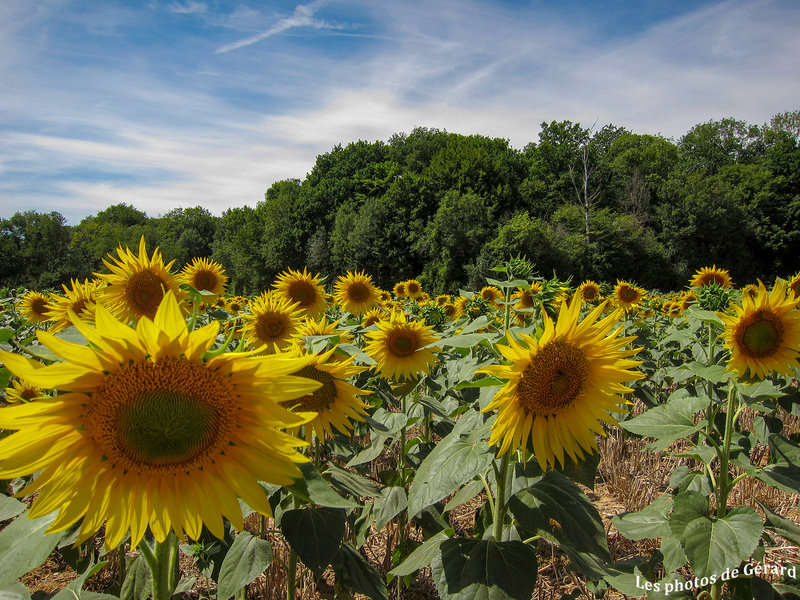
[
  {"x": 386, "y": 506},
  {"x": 514, "y": 283},
  {"x": 14, "y": 591},
  {"x": 313, "y": 488},
  {"x": 315, "y": 534},
  {"x": 584, "y": 471},
  {"x": 469, "y": 340},
  {"x": 712, "y": 373},
  {"x": 10, "y": 507},
  {"x": 668, "y": 422},
  {"x": 369, "y": 453},
  {"x": 25, "y": 545},
  {"x": 672, "y": 551},
  {"x": 469, "y": 569},
  {"x": 247, "y": 558},
  {"x": 556, "y": 509},
  {"x": 686, "y": 507},
  {"x": 457, "y": 459},
  {"x": 138, "y": 583},
  {"x": 705, "y": 315},
  {"x": 350, "y": 483},
  {"x": 73, "y": 589},
  {"x": 650, "y": 522},
  {"x": 465, "y": 494},
  {"x": 421, "y": 557},
  {"x": 482, "y": 382},
  {"x": 6, "y": 333},
  {"x": 784, "y": 527},
  {"x": 387, "y": 423},
  {"x": 70, "y": 334},
  {"x": 353, "y": 571},
  {"x": 713, "y": 546}
]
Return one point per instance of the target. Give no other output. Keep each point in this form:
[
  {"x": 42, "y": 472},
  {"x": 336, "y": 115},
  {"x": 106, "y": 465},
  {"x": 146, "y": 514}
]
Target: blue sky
[{"x": 178, "y": 103}]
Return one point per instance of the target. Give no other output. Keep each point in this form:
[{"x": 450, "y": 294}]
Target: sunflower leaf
[
  {"x": 313, "y": 488},
  {"x": 24, "y": 545},
  {"x": 468, "y": 568},
  {"x": 315, "y": 534},
  {"x": 353, "y": 570},
  {"x": 668, "y": 422},
  {"x": 247, "y": 558}
]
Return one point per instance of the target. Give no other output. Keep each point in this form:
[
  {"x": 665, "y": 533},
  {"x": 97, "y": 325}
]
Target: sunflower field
[{"x": 535, "y": 438}]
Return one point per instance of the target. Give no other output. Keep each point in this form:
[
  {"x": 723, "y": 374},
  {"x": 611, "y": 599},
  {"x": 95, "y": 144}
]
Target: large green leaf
[
  {"x": 350, "y": 483},
  {"x": 313, "y": 488},
  {"x": 138, "y": 583},
  {"x": 784, "y": 527},
  {"x": 353, "y": 571},
  {"x": 469, "y": 569},
  {"x": 650, "y": 522},
  {"x": 421, "y": 557},
  {"x": 247, "y": 559},
  {"x": 456, "y": 460},
  {"x": 25, "y": 545},
  {"x": 14, "y": 591},
  {"x": 668, "y": 422},
  {"x": 713, "y": 546},
  {"x": 10, "y": 507},
  {"x": 391, "y": 502},
  {"x": 556, "y": 509},
  {"x": 686, "y": 507},
  {"x": 315, "y": 534}
]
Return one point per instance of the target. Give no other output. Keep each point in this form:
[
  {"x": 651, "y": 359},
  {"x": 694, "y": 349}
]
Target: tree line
[{"x": 442, "y": 207}]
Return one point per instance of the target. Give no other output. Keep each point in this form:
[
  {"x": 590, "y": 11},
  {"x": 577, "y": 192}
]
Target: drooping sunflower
[
  {"x": 136, "y": 284},
  {"x": 413, "y": 289},
  {"x": 272, "y": 321},
  {"x": 712, "y": 275},
  {"x": 763, "y": 335},
  {"x": 399, "y": 346},
  {"x": 21, "y": 390},
  {"x": 206, "y": 275},
  {"x": 355, "y": 292},
  {"x": 336, "y": 401},
  {"x": 79, "y": 298},
  {"x": 589, "y": 291},
  {"x": 303, "y": 289},
  {"x": 147, "y": 434},
  {"x": 33, "y": 306},
  {"x": 687, "y": 299},
  {"x": 524, "y": 299},
  {"x": 627, "y": 296},
  {"x": 794, "y": 285},
  {"x": 561, "y": 386}
]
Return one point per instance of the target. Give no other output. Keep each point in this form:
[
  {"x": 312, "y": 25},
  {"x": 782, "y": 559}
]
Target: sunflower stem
[
  {"x": 500, "y": 498},
  {"x": 724, "y": 483},
  {"x": 163, "y": 563}
]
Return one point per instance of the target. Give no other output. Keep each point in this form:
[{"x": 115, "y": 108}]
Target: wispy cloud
[
  {"x": 187, "y": 8},
  {"x": 303, "y": 16}
]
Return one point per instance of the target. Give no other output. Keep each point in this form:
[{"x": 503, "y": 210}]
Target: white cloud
[{"x": 187, "y": 8}]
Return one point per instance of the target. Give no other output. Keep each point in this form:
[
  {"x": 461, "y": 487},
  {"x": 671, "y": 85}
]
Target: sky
[{"x": 167, "y": 104}]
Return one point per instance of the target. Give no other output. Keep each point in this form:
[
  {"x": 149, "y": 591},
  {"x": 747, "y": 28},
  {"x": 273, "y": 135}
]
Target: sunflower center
[
  {"x": 403, "y": 343},
  {"x": 78, "y": 307},
  {"x": 29, "y": 394},
  {"x": 164, "y": 413},
  {"x": 143, "y": 293},
  {"x": 553, "y": 379},
  {"x": 205, "y": 280},
  {"x": 358, "y": 292},
  {"x": 762, "y": 335},
  {"x": 39, "y": 307},
  {"x": 322, "y": 398},
  {"x": 627, "y": 294},
  {"x": 271, "y": 326},
  {"x": 301, "y": 292},
  {"x": 589, "y": 293}
]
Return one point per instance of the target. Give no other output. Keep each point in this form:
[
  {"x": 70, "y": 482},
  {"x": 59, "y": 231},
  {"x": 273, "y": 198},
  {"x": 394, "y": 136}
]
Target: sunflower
[
  {"x": 272, "y": 321},
  {"x": 205, "y": 275},
  {"x": 712, "y": 275},
  {"x": 413, "y": 289},
  {"x": 303, "y": 289},
  {"x": 524, "y": 299},
  {"x": 148, "y": 434},
  {"x": 794, "y": 285},
  {"x": 451, "y": 311},
  {"x": 627, "y": 296},
  {"x": 687, "y": 299},
  {"x": 336, "y": 401},
  {"x": 384, "y": 297},
  {"x": 80, "y": 298},
  {"x": 492, "y": 295},
  {"x": 373, "y": 316},
  {"x": 751, "y": 290},
  {"x": 443, "y": 299},
  {"x": 399, "y": 346},
  {"x": 136, "y": 284},
  {"x": 235, "y": 304},
  {"x": 561, "y": 386},
  {"x": 400, "y": 289},
  {"x": 764, "y": 334},
  {"x": 311, "y": 328},
  {"x": 33, "y": 306},
  {"x": 21, "y": 390},
  {"x": 589, "y": 291},
  {"x": 355, "y": 292}
]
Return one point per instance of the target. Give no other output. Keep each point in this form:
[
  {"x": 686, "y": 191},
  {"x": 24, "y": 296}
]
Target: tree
[
  {"x": 186, "y": 233},
  {"x": 34, "y": 247}
]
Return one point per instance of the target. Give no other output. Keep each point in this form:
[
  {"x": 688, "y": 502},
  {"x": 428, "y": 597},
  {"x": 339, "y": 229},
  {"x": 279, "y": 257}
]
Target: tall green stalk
[{"x": 163, "y": 563}]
